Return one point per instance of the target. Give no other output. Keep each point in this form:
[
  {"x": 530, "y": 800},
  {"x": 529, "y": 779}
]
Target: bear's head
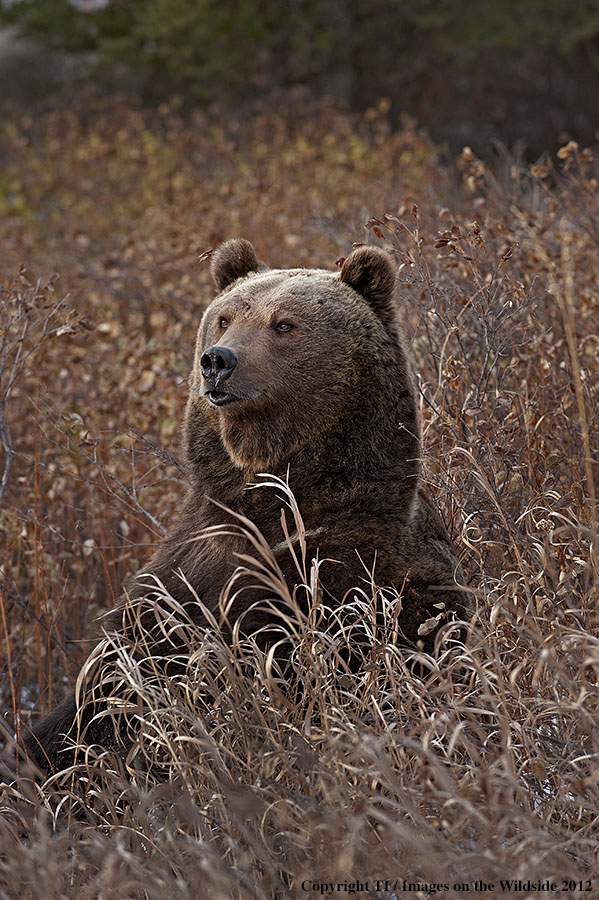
[{"x": 286, "y": 358}]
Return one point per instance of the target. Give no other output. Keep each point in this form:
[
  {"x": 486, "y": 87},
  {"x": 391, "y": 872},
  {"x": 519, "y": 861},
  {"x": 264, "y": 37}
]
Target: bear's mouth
[{"x": 218, "y": 398}]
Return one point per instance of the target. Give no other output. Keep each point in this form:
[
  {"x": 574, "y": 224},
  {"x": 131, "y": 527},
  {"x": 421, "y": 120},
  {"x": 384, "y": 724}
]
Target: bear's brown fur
[{"x": 303, "y": 372}]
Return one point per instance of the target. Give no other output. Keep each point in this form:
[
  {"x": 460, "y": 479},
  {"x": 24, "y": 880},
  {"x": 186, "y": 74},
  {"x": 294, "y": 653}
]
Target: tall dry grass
[{"x": 249, "y": 780}]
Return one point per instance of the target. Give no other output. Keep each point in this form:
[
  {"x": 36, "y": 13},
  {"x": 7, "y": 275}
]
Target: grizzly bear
[{"x": 300, "y": 373}]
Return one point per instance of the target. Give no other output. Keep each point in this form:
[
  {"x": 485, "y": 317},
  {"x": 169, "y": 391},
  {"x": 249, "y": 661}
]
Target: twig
[{"x": 565, "y": 300}]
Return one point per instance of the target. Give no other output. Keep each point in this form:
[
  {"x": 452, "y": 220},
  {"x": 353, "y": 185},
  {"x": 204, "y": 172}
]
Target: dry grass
[{"x": 479, "y": 764}]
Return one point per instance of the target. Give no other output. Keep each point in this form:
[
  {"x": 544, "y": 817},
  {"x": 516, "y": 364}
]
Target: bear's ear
[
  {"x": 233, "y": 260},
  {"x": 370, "y": 272}
]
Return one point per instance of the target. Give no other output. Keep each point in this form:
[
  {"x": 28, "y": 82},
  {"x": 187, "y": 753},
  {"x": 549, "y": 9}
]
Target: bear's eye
[
  {"x": 284, "y": 327},
  {"x": 223, "y": 323}
]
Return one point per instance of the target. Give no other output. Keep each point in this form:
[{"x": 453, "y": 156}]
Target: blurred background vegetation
[{"x": 467, "y": 70}]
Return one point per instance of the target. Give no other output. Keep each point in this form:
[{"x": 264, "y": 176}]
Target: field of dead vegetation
[{"x": 481, "y": 764}]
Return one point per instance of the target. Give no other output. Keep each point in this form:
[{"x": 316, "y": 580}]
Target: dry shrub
[
  {"x": 249, "y": 776},
  {"x": 259, "y": 775}
]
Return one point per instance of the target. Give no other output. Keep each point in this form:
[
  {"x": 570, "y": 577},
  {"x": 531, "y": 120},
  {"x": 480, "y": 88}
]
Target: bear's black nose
[{"x": 218, "y": 364}]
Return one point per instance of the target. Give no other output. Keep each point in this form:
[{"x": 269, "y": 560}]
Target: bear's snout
[{"x": 218, "y": 364}]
